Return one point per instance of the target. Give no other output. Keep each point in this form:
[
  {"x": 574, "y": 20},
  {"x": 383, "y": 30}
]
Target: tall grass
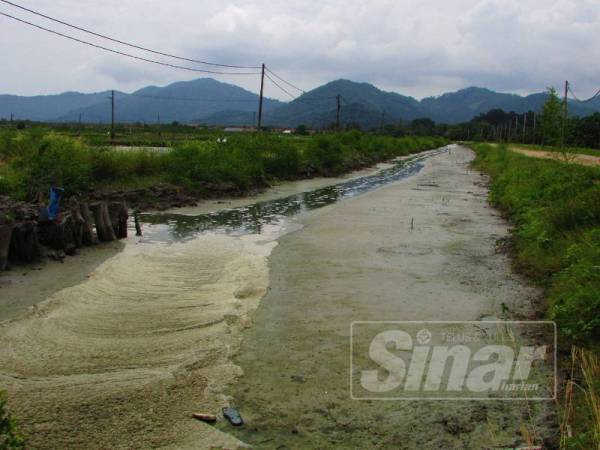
[
  {"x": 555, "y": 208},
  {"x": 580, "y": 421},
  {"x": 31, "y": 160}
]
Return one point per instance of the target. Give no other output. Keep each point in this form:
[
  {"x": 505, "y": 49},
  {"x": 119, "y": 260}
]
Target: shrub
[{"x": 9, "y": 436}]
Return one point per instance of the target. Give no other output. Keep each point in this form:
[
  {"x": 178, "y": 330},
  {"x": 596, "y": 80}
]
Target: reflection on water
[{"x": 252, "y": 218}]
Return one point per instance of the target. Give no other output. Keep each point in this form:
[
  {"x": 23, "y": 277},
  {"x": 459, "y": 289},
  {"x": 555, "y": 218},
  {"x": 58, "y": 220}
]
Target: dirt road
[{"x": 584, "y": 160}]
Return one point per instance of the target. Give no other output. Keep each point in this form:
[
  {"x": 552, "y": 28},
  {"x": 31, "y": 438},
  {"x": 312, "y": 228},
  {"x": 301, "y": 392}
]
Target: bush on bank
[
  {"x": 10, "y": 438},
  {"x": 555, "y": 208},
  {"x": 30, "y": 160}
]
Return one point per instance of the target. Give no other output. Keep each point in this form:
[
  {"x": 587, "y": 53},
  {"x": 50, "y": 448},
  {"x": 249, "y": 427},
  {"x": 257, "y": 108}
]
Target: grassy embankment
[
  {"x": 555, "y": 210},
  {"x": 30, "y": 160}
]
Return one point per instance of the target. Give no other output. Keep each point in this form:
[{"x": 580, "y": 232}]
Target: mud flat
[
  {"x": 122, "y": 344},
  {"x": 419, "y": 249},
  {"x": 123, "y": 357}
]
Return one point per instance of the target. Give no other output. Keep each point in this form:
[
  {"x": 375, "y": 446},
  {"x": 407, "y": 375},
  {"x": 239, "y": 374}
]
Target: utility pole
[
  {"x": 509, "y": 131},
  {"x": 534, "y": 124},
  {"x": 524, "y": 125},
  {"x": 339, "y": 109},
  {"x": 112, "y": 118},
  {"x": 565, "y": 112},
  {"x": 11, "y": 117},
  {"x": 260, "y": 105},
  {"x": 382, "y": 120}
]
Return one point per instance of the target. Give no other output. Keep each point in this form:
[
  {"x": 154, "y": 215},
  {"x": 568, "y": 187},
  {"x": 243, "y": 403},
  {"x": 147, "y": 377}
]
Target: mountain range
[{"x": 207, "y": 101}]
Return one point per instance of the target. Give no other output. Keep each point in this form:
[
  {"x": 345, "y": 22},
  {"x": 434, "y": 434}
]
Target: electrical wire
[
  {"x": 280, "y": 87},
  {"x": 279, "y": 78},
  {"x": 139, "y": 58},
  {"x": 583, "y": 101},
  {"x": 156, "y": 52},
  {"x": 313, "y": 95},
  {"x": 295, "y": 99}
]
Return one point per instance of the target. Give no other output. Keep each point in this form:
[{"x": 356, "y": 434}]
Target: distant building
[{"x": 239, "y": 129}]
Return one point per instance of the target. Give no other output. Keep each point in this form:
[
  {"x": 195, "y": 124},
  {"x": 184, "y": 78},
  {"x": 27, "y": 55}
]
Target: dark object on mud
[
  {"x": 6, "y": 230},
  {"x": 57, "y": 255},
  {"x": 77, "y": 221},
  {"x": 118, "y": 217},
  {"x": 138, "y": 227},
  {"x": 59, "y": 234},
  {"x": 209, "y": 418},
  {"x": 87, "y": 232},
  {"x": 34, "y": 233},
  {"x": 104, "y": 227},
  {"x": 233, "y": 416},
  {"x": 24, "y": 245}
]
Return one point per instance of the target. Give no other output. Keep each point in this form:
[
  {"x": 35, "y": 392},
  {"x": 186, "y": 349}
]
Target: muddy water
[
  {"x": 124, "y": 355},
  {"x": 419, "y": 249},
  {"x": 250, "y": 219}
]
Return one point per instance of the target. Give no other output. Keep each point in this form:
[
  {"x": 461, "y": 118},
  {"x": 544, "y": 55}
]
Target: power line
[
  {"x": 312, "y": 94},
  {"x": 280, "y": 87},
  {"x": 294, "y": 98},
  {"x": 279, "y": 78},
  {"x": 584, "y": 101},
  {"x": 139, "y": 58},
  {"x": 156, "y": 52}
]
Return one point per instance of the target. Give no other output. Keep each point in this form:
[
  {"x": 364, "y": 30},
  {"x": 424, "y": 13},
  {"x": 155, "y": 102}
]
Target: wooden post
[
  {"x": 565, "y": 113},
  {"x": 338, "y": 111},
  {"x": 112, "y": 118},
  {"x": 260, "y": 105},
  {"x": 118, "y": 218},
  {"x": 6, "y": 230},
  {"x": 87, "y": 235}
]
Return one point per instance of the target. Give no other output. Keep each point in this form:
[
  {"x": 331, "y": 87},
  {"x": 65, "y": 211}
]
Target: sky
[{"x": 419, "y": 48}]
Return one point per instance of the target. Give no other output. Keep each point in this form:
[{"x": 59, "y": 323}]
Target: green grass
[
  {"x": 555, "y": 209},
  {"x": 32, "y": 159}
]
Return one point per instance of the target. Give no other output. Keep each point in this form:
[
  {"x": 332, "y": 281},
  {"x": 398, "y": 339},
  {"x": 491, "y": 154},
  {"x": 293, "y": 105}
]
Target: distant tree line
[
  {"x": 547, "y": 127},
  {"x": 544, "y": 128}
]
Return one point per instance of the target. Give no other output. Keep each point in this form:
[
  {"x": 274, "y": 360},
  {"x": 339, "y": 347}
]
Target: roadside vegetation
[
  {"x": 10, "y": 438},
  {"x": 33, "y": 159},
  {"x": 555, "y": 210}
]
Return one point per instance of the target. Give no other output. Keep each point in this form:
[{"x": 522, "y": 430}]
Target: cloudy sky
[{"x": 417, "y": 47}]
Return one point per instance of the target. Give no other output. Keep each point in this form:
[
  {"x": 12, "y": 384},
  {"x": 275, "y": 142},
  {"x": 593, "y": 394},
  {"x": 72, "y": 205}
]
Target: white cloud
[{"x": 413, "y": 47}]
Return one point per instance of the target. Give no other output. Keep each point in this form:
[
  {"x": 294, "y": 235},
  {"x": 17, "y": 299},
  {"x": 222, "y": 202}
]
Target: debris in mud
[
  {"x": 27, "y": 235},
  {"x": 209, "y": 418},
  {"x": 233, "y": 416}
]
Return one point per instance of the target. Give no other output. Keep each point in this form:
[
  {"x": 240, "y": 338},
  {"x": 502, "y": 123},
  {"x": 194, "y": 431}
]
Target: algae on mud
[
  {"x": 145, "y": 340},
  {"x": 123, "y": 359},
  {"x": 361, "y": 260}
]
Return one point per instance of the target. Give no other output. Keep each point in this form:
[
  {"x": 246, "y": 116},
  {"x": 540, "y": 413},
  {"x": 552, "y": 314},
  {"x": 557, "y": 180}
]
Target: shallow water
[{"x": 251, "y": 219}]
